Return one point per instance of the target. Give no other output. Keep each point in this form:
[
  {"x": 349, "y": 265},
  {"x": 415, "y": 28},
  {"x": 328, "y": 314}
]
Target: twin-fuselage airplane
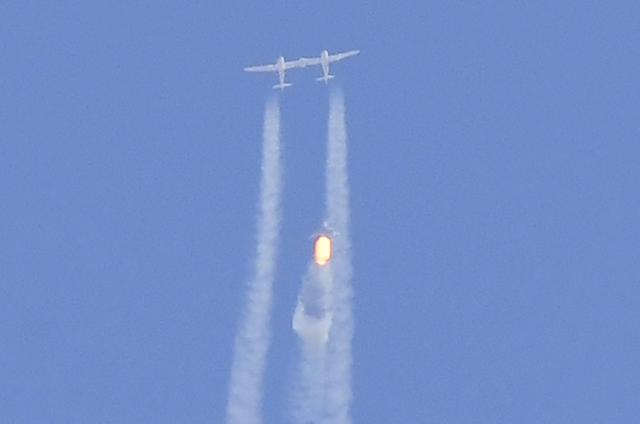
[{"x": 281, "y": 66}]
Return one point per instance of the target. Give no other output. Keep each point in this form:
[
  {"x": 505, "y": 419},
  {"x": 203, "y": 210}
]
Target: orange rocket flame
[{"x": 322, "y": 250}]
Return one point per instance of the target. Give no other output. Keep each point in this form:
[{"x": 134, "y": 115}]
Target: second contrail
[
  {"x": 338, "y": 381},
  {"x": 323, "y": 317}
]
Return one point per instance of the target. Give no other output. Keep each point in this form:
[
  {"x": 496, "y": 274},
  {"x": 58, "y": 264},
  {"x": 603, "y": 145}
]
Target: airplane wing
[
  {"x": 340, "y": 56},
  {"x": 300, "y": 63},
  {"x": 308, "y": 61},
  {"x": 261, "y": 68}
]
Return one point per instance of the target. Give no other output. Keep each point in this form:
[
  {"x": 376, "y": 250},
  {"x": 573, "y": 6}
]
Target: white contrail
[
  {"x": 338, "y": 381},
  {"x": 252, "y": 341},
  {"x": 323, "y": 317}
]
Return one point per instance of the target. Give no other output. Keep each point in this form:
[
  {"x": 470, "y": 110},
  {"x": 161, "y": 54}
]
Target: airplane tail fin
[
  {"x": 325, "y": 78},
  {"x": 282, "y": 86}
]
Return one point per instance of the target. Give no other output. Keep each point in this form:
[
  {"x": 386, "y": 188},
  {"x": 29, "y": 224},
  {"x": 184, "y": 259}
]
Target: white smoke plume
[
  {"x": 252, "y": 342},
  {"x": 338, "y": 384},
  {"x": 312, "y": 321},
  {"x": 323, "y": 318}
]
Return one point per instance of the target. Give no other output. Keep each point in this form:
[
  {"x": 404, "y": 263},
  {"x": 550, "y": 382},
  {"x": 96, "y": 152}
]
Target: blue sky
[{"x": 495, "y": 209}]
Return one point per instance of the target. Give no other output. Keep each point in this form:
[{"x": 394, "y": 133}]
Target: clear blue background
[{"x": 495, "y": 173}]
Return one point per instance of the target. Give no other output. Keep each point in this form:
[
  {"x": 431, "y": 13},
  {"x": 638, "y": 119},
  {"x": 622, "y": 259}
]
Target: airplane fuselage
[
  {"x": 280, "y": 66},
  {"x": 324, "y": 61}
]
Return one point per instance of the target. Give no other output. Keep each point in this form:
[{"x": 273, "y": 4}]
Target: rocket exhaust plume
[
  {"x": 252, "y": 340},
  {"x": 323, "y": 316},
  {"x": 312, "y": 321}
]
